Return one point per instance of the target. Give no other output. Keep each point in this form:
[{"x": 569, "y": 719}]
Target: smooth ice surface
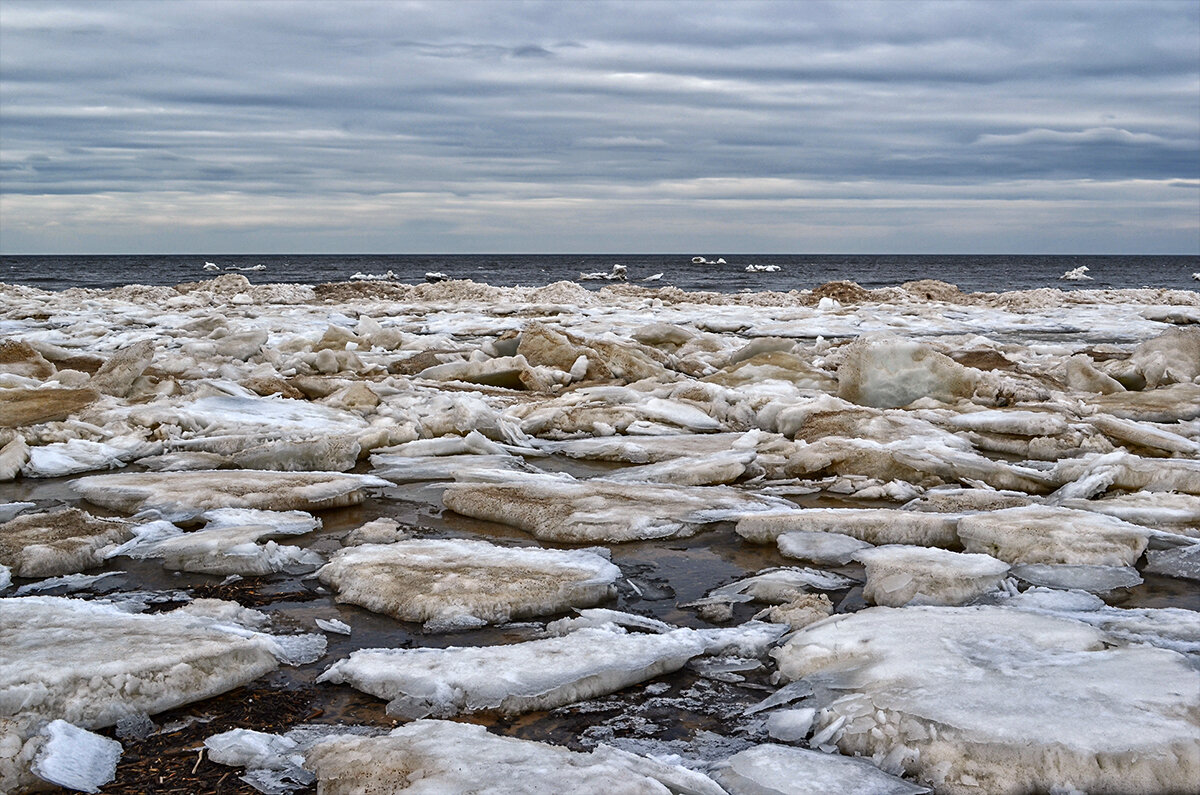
[
  {"x": 1045, "y": 534},
  {"x": 537, "y": 674},
  {"x": 457, "y": 584},
  {"x": 871, "y": 525},
  {"x": 1182, "y": 562},
  {"x": 1093, "y": 579},
  {"x": 830, "y": 549},
  {"x": 899, "y": 575},
  {"x": 183, "y": 495},
  {"x": 76, "y": 758},
  {"x": 458, "y": 757},
  {"x": 783, "y": 770},
  {"x": 991, "y": 699}
]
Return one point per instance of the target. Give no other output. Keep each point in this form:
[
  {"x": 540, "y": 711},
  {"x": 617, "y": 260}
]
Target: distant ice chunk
[
  {"x": 534, "y": 675},
  {"x": 461, "y": 757},
  {"x": 784, "y": 770},
  {"x": 992, "y": 699},
  {"x": 436, "y": 582},
  {"x": 828, "y": 549},
  {"x": 872, "y": 525},
  {"x": 900, "y": 575},
  {"x": 1046, "y": 534},
  {"x": 76, "y": 758},
  {"x": 1093, "y": 579},
  {"x": 182, "y": 495},
  {"x": 1145, "y": 508}
]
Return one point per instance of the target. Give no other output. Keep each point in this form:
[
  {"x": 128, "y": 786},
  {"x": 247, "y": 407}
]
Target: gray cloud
[{"x": 489, "y": 121}]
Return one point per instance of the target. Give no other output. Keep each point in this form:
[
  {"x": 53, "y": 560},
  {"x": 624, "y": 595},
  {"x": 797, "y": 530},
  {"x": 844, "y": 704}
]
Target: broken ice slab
[
  {"x": 458, "y": 584},
  {"x": 58, "y": 542},
  {"x": 992, "y": 699},
  {"x": 414, "y": 469},
  {"x": 76, "y": 758},
  {"x": 1182, "y": 562},
  {"x": 564, "y": 509},
  {"x": 83, "y": 455},
  {"x": 1047, "y": 534},
  {"x": 1089, "y": 475},
  {"x": 248, "y": 414},
  {"x": 179, "y": 496},
  {"x": 459, "y": 757},
  {"x": 1151, "y": 509},
  {"x": 872, "y": 525},
  {"x": 1093, "y": 579},
  {"x": 533, "y": 675},
  {"x": 898, "y": 575},
  {"x": 654, "y": 449},
  {"x": 786, "y": 770},
  {"x": 829, "y": 549}
]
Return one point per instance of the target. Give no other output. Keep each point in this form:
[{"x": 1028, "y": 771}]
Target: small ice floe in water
[
  {"x": 333, "y": 625},
  {"x": 1077, "y": 274},
  {"x": 433, "y": 277},
  {"x": 762, "y": 268},
  {"x": 372, "y": 277},
  {"x": 653, "y": 278},
  {"x": 1093, "y": 579},
  {"x": 246, "y": 269},
  {"x": 1196, "y": 276},
  {"x": 618, "y": 273},
  {"x": 211, "y": 266},
  {"x": 76, "y": 758},
  {"x": 799, "y": 771},
  {"x": 462, "y": 757}
]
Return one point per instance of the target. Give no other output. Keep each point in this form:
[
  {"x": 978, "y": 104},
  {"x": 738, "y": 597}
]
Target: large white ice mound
[
  {"x": 434, "y": 757},
  {"x": 183, "y": 495},
  {"x": 783, "y": 770},
  {"x": 537, "y": 674},
  {"x": 989, "y": 699},
  {"x": 457, "y": 584},
  {"x": 1046, "y": 534},
  {"x": 898, "y": 575}
]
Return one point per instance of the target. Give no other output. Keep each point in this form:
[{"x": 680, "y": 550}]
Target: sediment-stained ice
[
  {"x": 1045, "y": 534},
  {"x": 871, "y": 525},
  {"x": 460, "y": 757},
  {"x": 784, "y": 770},
  {"x": 899, "y": 575},
  {"x": 991, "y": 699},
  {"x": 564, "y": 509},
  {"x": 534, "y": 675},
  {"x": 58, "y": 542},
  {"x": 183, "y": 495},
  {"x": 464, "y": 584}
]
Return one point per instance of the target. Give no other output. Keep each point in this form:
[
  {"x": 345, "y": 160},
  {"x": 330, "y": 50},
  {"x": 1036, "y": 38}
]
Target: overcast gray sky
[{"x": 259, "y": 127}]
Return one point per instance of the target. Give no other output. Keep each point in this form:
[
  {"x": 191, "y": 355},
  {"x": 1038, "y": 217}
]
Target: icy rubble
[
  {"x": 458, "y": 757},
  {"x": 990, "y": 699},
  {"x": 453, "y": 585}
]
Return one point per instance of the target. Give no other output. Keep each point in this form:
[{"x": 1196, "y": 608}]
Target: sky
[{"x": 608, "y": 127}]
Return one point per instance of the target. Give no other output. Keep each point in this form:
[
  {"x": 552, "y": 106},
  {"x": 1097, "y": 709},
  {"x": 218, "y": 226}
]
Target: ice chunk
[
  {"x": 957, "y": 500},
  {"x": 440, "y": 581},
  {"x": 274, "y": 763},
  {"x": 717, "y": 468},
  {"x": 5, "y": 577},
  {"x": 247, "y": 413},
  {"x": 790, "y": 725},
  {"x": 1017, "y": 423},
  {"x": 889, "y": 373},
  {"x": 899, "y": 575},
  {"x": 333, "y": 625},
  {"x": 798, "y": 771},
  {"x": 991, "y": 699},
  {"x": 81, "y": 455},
  {"x": 829, "y": 549},
  {"x": 9, "y": 510},
  {"x": 1093, "y": 579},
  {"x": 872, "y": 525},
  {"x": 534, "y": 675},
  {"x": 76, "y": 758},
  {"x": 777, "y": 586},
  {"x": 1182, "y": 562},
  {"x": 183, "y": 495},
  {"x": 1143, "y": 434},
  {"x": 376, "y": 531},
  {"x": 59, "y": 542},
  {"x": 654, "y": 449},
  {"x": 1089, "y": 475},
  {"x": 1150, "y": 509},
  {"x": 460, "y": 757},
  {"x": 800, "y": 611},
  {"x": 414, "y": 469},
  {"x": 69, "y": 582},
  {"x": 560, "y": 508},
  {"x": 1044, "y": 534}
]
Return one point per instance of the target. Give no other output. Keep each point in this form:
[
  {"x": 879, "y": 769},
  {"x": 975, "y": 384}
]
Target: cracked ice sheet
[
  {"x": 562, "y": 508},
  {"x": 463, "y": 584},
  {"x": 991, "y": 699},
  {"x": 458, "y": 757}
]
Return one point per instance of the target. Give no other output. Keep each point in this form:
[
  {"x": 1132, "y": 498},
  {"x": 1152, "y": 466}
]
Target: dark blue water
[{"x": 994, "y": 273}]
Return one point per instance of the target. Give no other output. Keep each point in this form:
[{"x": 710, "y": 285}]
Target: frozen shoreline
[{"x": 1041, "y": 444}]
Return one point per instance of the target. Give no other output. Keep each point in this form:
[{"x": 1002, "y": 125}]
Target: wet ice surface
[{"x": 476, "y": 468}]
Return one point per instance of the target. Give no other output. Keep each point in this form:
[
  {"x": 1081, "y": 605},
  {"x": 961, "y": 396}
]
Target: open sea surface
[{"x": 992, "y": 273}]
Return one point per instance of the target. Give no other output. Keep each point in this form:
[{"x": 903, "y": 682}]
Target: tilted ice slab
[
  {"x": 561, "y": 508},
  {"x": 784, "y": 770},
  {"x": 459, "y": 757},
  {"x": 415, "y": 469},
  {"x": 179, "y": 496},
  {"x": 1045, "y": 534},
  {"x": 899, "y": 575},
  {"x": 58, "y": 542},
  {"x": 83, "y": 455},
  {"x": 990, "y": 699},
  {"x": 534, "y": 675},
  {"x": 655, "y": 449},
  {"x": 1183, "y": 562},
  {"x": 249, "y": 414},
  {"x": 91, "y": 664},
  {"x": 872, "y": 525},
  {"x": 1093, "y": 579},
  {"x": 713, "y": 469},
  {"x": 1151, "y": 509},
  {"x": 460, "y": 584},
  {"x": 1090, "y": 475},
  {"x": 776, "y": 586}
]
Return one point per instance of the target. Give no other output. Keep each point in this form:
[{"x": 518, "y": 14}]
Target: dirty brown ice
[{"x": 458, "y": 538}]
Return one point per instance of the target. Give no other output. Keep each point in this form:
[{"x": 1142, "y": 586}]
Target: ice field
[{"x": 517, "y": 539}]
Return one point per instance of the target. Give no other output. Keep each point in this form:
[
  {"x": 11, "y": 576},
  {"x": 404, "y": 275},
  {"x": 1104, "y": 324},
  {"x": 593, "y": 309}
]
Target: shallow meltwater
[{"x": 633, "y": 539}]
